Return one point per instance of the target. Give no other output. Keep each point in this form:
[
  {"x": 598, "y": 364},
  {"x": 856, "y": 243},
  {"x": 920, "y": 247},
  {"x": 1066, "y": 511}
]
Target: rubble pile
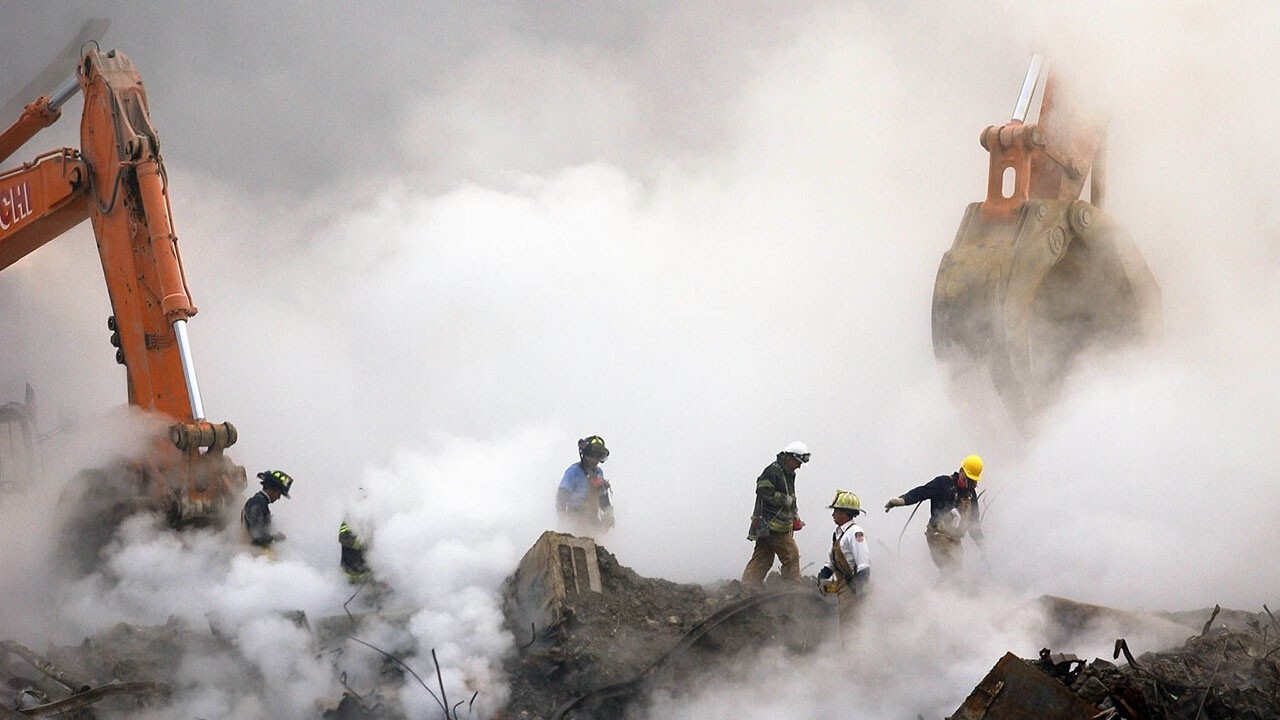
[
  {"x": 1231, "y": 672},
  {"x": 593, "y": 651},
  {"x": 593, "y": 638},
  {"x": 129, "y": 668},
  {"x": 123, "y": 669},
  {"x": 596, "y": 640}
]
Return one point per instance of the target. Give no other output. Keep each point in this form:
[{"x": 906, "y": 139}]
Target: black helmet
[
  {"x": 276, "y": 479},
  {"x": 592, "y": 446}
]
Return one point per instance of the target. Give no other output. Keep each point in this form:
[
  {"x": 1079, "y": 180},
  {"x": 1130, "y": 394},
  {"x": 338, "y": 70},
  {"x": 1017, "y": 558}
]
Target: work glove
[
  {"x": 861, "y": 579},
  {"x": 277, "y": 537},
  {"x": 797, "y": 524},
  {"x": 823, "y": 581},
  {"x": 893, "y": 503}
]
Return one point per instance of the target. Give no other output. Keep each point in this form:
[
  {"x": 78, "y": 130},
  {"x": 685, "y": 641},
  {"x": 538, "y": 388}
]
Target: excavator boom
[
  {"x": 39, "y": 201},
  {"x": 116, "y": 179}
]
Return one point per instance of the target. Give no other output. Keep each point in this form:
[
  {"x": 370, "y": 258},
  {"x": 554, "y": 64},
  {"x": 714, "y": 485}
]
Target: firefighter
[
  {"x": 352, "y": 560},
  {"x": 256, "y": 516},
  {"x": 582, "y": 500},
  {"x": 953, "y": 511},
  {"x": 775, "y": 520},
  {"x": 355, "y": 535},
  {"x": 848, "y": 569}
]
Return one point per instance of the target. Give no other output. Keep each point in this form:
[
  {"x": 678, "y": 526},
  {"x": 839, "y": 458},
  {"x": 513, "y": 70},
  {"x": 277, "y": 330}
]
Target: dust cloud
[{"x": 433, "y": 248}]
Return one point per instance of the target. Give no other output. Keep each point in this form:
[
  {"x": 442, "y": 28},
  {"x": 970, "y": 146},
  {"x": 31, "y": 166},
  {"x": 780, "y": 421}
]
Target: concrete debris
[
  {"x": 596, "y": 640},
  {"x": 593, "y": 653},
  {"x": 1228, "y": 673},
  {"x": 131, "y": 668},
  {"x": 62, "y": 693},
  {"x": 592, "y": 638},
  {"x": 1014, "y": 690},
  {"x": 1070, "y": 620}
]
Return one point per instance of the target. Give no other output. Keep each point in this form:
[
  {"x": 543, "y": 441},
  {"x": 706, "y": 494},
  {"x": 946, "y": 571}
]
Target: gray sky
[{"x": 433, "y": 245}]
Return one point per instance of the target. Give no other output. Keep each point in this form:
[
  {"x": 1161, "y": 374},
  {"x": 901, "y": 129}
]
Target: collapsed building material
[
  {"x": 93, "y": 695},
  {"x": 625, "y": 690},
  {"x": 1013, "y": 690},
  {"x": 1228, "y": 673},
  {"x": 592, "y": 650},
  {"x": 44, "y": 666},
  {"x": 1070, "y": 620},
  {"x": 83, "y": 693},
  {"x": 556, "y": 569}
]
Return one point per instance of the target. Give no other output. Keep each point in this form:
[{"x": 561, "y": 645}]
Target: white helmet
[{"x": 799, "y": 450}]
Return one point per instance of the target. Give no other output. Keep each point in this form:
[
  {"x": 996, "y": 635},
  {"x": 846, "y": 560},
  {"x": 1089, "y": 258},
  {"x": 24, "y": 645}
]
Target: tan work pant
[
  {"x": 847, "y": 607},
  {"x": 779, "y": 544},
  {"x": 945, "y": 550}
]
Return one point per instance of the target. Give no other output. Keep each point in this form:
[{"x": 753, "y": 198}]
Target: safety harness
[{"x": 838, "y": 561}]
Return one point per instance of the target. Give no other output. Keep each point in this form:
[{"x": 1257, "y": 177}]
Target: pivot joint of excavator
[{"x": 203, "y": 434}]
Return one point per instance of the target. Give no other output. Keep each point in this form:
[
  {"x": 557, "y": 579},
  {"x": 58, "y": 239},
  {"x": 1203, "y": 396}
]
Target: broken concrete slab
[
  {"x": 1013, "y": 690},
  {"x": 1071, "y": 620},
  {"x": 555, "y": 569}
]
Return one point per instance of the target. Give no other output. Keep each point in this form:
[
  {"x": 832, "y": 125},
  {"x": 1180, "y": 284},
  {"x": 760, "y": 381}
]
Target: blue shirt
[{"x": 575, "y": 481}]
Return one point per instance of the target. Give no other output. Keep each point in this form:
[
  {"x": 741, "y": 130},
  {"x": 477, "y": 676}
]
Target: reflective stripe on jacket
[{"x": 773, "y": 487}]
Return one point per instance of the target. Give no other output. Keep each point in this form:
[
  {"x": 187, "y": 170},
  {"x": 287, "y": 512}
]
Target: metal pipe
[
  {"x": 93, "y": 695},
  {"x": 1098, "y": 176},
  {"x": 65, "y": 91},
  {"x": 1028, "y": 88},
  {"x": 44, "y": 666},
  {"x": 188, "y": 369}
]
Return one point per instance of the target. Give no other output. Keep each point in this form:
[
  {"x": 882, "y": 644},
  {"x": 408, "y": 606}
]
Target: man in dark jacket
[
  {"x": 953, "y": 511},
  {"x": 775, "y": 520},
  {"x": 256, "y": 516},
  {"x": 352, "y": 560}
]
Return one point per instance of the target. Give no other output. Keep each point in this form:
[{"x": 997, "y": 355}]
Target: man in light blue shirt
[{"x": 582, "y": 500}]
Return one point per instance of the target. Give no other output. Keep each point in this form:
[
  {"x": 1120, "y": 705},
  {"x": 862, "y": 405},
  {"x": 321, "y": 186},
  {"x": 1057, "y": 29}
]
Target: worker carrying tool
[
  {"x": 256, "y": 516},
  {"x": 848, "y": 569},
  {"x": 953, "y": 511},
  {"x": 775, "y": 519},
  {"x": 582, "y": 500}
]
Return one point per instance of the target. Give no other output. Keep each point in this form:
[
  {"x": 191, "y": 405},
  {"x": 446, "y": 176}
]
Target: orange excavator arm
[
  {"x": 40, "y": 201},
  {"x": 44, "y": 198},
  {"x": 1036, "y": 275},
  {"x": 129, "y": 208},
  {"x": 1048, "y": 160},
  {"x": 116, "y": 179}
]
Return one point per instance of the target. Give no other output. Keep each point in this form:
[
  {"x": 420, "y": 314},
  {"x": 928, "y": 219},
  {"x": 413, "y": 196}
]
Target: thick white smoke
[{"x": 731, "y": 246}]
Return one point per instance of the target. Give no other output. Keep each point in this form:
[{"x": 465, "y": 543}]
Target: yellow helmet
[
  {"x": 846, "y": 500},
  {"x": 972, "y": 467}
]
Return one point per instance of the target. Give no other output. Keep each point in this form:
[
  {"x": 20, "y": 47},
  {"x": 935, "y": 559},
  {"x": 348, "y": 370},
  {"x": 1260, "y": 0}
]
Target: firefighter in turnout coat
[
  {"x": 255, "y": 518},
  {"x": 775, "y": 519}
]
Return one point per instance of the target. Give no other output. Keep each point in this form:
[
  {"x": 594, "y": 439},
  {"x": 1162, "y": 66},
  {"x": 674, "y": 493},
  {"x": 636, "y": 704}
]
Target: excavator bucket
[{"x": 1036, "y": 276}]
